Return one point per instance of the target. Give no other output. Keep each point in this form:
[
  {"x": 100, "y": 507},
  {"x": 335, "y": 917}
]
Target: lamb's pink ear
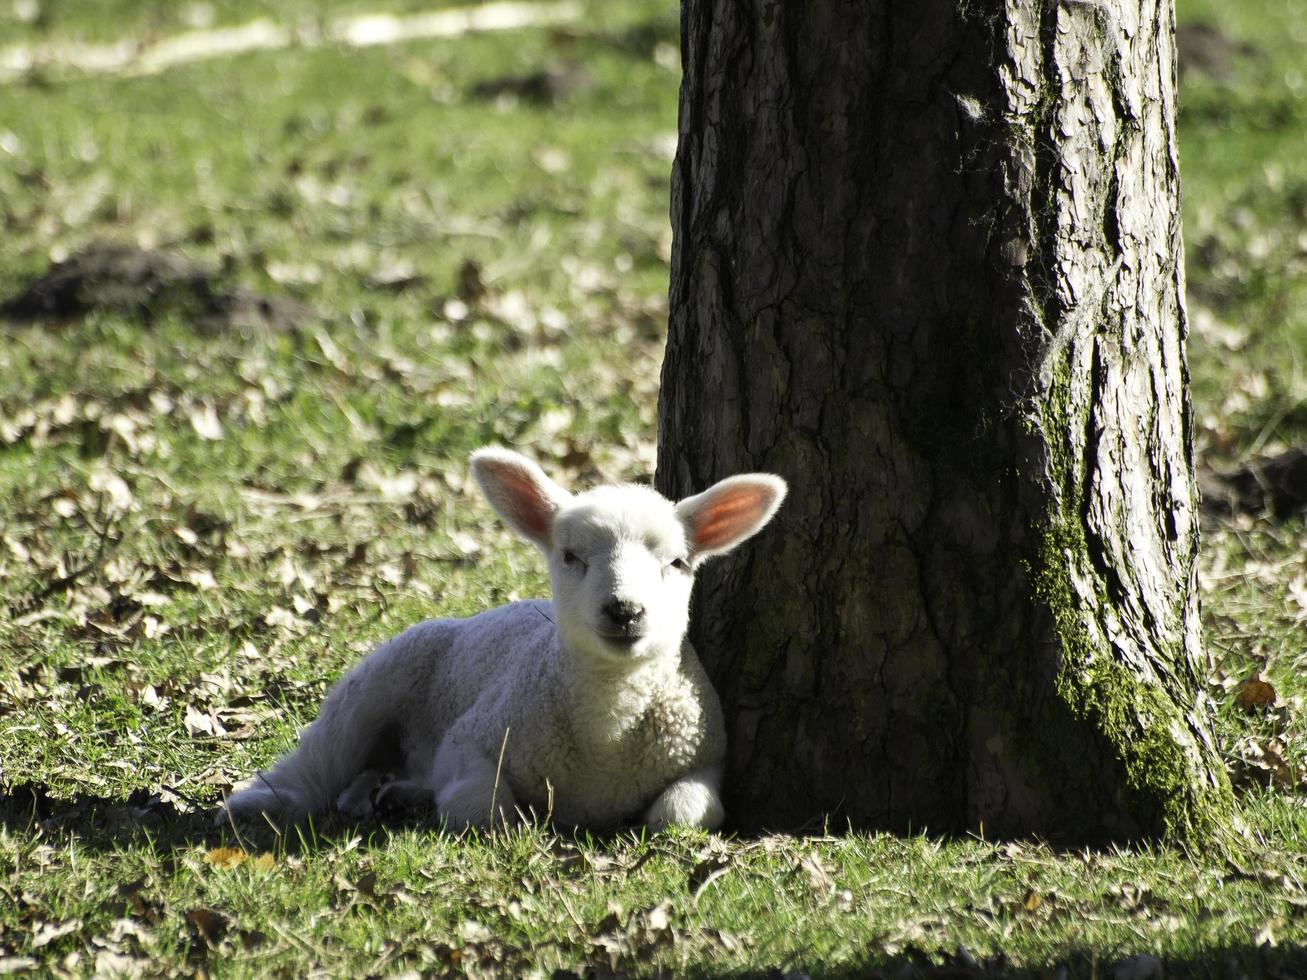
[
  {"x": 519, "y": 490},
  {"x": 729, "y": 512}
]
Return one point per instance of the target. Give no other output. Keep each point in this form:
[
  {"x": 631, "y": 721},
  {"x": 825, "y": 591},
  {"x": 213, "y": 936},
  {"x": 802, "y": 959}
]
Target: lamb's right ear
[
  {"x": 519, "y": 490},
  {"x": 730, "y": 511}
]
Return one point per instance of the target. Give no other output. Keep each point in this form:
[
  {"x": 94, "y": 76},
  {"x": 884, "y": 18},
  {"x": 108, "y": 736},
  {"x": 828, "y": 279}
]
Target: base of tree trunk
[{"x": 928, "y": 268}]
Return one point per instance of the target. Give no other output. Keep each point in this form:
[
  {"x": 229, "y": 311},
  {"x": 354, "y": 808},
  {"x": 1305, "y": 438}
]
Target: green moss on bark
[
  {"x": 1144, "y": 726},
  {"x": 1169, "y": 790}
]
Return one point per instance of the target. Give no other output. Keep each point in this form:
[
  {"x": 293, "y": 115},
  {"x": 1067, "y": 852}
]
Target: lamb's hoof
[
  {"x": 403, "y": 797},
  {"x": 356, "y": 801}
]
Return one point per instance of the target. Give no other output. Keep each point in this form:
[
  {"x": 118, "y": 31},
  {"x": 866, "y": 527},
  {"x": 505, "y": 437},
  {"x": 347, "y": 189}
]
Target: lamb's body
[
  {"x": 590, "y": 710},
  {"x": 596, "y": 760}
]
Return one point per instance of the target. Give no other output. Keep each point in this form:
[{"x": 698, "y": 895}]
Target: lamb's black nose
[{"x": 623, "y": 612}]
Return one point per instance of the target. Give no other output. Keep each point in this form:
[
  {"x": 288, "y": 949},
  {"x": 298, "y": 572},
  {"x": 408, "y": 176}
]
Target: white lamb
[{"x": 591, "y": 708}]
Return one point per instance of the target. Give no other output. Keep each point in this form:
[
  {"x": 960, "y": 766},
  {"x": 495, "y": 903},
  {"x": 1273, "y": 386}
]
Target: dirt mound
[
  {"x": 1275, "y": 485},
  {"x": 142, "y": 283},
  {"x": 1205, "y": 50},
  {"x": 547, "y": 87}
]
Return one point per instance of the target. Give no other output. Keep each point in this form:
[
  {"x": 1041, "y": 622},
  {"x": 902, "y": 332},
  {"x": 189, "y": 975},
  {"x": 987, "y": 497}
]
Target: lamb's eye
[
  {"x": 680, "y": 564},
  {"x": 569, "y": 557}
]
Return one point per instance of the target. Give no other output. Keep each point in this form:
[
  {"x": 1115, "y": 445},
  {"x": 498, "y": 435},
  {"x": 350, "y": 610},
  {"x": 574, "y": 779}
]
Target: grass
[
  {"x": 200, "y": 528},
  {"x": 105, "y": 21}
]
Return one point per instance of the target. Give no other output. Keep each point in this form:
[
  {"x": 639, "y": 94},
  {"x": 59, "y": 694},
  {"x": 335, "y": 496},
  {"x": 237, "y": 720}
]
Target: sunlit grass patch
[{"x": 202, "y": 524}]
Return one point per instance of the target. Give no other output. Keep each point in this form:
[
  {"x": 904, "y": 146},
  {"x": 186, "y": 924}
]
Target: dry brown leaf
[
  {"x": 644, "y": 932},
  {"x": 395, "y": 488},
  {"x": 819, "y": 879},
  {"x": 201, "y": 578},
  {"x": 286, "y": 620},
  {"x": 367, "y": 884},
  {"x": 203, "y": 723},
  {"x": 109, "y": 484},
  {"x": 111, "y": 963},
  {"x": 471, "y": 931},
  {"x": 225, "y": 858},
  {"x": 705, "y": 874},
  {"x": 48, "y": 932},
  {"x": 204, "y": 420},
  {"x": 659, "y": 918},
  {"x": 729, "y": 942},
  {"x": 206, "y": 924},
  {"x": 1254, "y": 692},
  {"x": 1266, "y": 934}
]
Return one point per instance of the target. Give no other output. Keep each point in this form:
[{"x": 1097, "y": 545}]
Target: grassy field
[{"x": 203, "y": 521}]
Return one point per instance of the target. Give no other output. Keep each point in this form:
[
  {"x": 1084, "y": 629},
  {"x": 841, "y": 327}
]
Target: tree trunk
[{"x": 928, "y": 268}]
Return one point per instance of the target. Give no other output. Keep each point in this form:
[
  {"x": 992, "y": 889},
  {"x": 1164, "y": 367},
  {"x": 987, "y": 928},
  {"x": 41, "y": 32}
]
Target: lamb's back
[{"x": 436, "y": 670}]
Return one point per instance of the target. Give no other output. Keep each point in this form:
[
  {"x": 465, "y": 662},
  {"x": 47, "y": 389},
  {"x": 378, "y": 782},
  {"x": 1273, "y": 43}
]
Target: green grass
[
  {"x": 25, "y": 21},
  {"x": 1242, "y": 137},
  {"x": 1243, "y": 129},
  {"x": 681, "y": 902},
  {"x": 179, "y": 595}
]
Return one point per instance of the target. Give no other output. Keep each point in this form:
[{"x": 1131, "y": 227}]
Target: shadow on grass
[
  {"x": 101, "y": 821},
  {"x": 145, "y": 816},
  {"x": 1236, "y": 961},
  {"x": 143, "y": 819}
]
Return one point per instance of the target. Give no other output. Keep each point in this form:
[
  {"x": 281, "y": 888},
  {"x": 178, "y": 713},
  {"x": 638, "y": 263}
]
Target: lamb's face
[
  {"x": 622, "y": 559},
  {"x": 622, "y": 571}
]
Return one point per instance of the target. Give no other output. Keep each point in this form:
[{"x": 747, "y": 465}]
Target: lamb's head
[{"x": 622, "y": 558}]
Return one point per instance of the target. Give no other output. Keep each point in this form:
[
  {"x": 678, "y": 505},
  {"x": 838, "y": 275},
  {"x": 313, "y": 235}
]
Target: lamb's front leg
[
  {"x": 694, "y": 800},
  {"x": 471, "y": 791}
]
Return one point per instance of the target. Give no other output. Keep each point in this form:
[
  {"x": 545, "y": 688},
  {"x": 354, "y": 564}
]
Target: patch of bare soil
[
  {"x": 1276, "y": 485},
  {"x": 547, "y": 87},
  {"x": 142, "y": 283},
  {"x": 1205, "y": 50}
]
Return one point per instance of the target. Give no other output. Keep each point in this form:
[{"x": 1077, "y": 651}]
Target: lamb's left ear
[
  {"x": 519, "y": 490},
  {"x": 730, "y": 512}
]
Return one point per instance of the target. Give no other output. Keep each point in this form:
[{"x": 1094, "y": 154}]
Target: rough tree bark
[{"x": 928, "y": 267}]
